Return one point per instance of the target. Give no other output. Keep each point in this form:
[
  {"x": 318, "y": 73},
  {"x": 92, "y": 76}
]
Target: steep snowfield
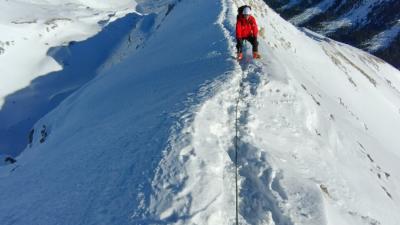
[{"x": 153, "y": 139}]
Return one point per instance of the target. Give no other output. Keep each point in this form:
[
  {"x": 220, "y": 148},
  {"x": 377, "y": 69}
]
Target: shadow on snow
[{"x": 80, "y": 61}]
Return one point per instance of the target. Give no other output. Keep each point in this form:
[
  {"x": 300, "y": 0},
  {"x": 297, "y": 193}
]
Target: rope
[
  {"x": 237, "y": 150},
  {"x": 236, "y": 163}
]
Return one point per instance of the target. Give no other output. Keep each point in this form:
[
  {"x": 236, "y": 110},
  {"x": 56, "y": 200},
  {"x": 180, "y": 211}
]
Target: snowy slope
[
  {"x": 38, "y": 65},
  {"x": 152, "y": 139},
  {"x": 104, "y": 142}
]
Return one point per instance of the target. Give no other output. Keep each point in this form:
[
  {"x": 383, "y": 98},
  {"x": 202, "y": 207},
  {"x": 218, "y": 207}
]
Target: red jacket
[{"x": 246, "y": 27}]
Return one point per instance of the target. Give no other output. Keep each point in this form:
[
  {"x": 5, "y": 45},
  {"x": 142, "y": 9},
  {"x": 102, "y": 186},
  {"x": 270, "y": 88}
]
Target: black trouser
[{"x": 253, "y": 41}]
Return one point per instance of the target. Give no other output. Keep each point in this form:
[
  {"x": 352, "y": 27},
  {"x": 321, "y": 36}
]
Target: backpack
[{"x": 240, "y": 10}]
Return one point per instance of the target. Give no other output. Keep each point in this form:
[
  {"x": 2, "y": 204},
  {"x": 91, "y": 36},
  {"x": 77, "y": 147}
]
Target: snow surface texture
[{"x": 151, "y": 140}]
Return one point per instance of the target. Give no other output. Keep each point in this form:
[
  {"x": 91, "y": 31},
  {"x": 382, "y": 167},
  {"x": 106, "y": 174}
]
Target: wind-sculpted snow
[{"x": 153, "y": 139}]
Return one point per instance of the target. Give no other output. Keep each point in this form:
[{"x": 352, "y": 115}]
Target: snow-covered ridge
[
  {"x": 152, "y": 139},
  {"x": 303, "y": 130}
]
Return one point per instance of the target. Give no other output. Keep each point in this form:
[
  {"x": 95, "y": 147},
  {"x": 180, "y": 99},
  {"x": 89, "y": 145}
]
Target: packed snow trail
[{"x": 201, "y": 156}]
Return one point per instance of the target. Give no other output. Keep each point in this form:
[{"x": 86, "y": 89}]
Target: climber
[{"x": 246, "y": 29}]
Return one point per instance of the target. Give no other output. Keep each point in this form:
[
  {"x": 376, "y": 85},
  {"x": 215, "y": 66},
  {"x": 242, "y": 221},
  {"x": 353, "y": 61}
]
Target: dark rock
[{"x": 382, "y": 16}]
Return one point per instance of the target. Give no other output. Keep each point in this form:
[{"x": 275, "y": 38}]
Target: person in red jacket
[{"x": 246, "y": 29}]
